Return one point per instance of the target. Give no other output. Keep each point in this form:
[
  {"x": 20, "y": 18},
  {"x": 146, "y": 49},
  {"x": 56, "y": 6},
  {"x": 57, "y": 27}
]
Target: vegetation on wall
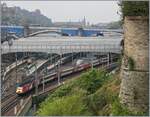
[
  {"x": 130, "y": 63},
  {"x": 134, "y": 8}
]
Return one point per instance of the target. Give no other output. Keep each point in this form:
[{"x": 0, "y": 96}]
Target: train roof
[{"x": 26, "y": 80}]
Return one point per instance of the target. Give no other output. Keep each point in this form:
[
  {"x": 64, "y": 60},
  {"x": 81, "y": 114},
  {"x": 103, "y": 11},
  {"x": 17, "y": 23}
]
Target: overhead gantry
[{"x": 62, "y": 45}]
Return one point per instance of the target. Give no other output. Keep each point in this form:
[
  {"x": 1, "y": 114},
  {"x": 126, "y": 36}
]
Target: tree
[
  {"x": 134, "y": 8},
  {"x": 65, "y": 106},
  {"x": 17, "y": 16}
]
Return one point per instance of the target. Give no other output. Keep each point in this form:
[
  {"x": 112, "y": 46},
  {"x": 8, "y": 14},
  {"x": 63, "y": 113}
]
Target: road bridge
[
  {"x": 74, "y": 28},
  {"x": 20, "y": 31},
  {"x": 64, "y": 44}
]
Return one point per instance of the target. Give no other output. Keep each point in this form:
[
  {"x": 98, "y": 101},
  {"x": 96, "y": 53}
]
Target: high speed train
[{"x": 29, "y": 84}]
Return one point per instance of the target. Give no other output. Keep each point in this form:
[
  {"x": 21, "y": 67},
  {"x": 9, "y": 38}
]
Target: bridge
[
  {"x": 64, "y": 44},
  {"x": 21, "y": 31}
]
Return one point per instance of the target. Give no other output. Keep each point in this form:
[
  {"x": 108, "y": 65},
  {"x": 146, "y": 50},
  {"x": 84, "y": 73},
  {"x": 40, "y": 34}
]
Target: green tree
[
  {"x": 65, "y": 106},
  {"x": 92, "y": 80},
  {"x": 134, "y": 8}
]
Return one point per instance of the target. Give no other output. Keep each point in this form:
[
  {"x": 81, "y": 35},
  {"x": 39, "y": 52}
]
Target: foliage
[
  {"x": 119, "y": 61},
  {"x": 102, "y": 98},
  {"x": 92, "y": 80},
  {"x": 94, "y": 93},
  {"x": 64, "y": 98},
  {"x": 131, "y": 63},
  {"x": 96, "y": 102},
  {"x": 70, "y": 105},
  {"x": 62, "y": 91},
  {"x": 18, "y": 16},
  {"x": 58, "y": 93},
  {"x": 134, "y": 8},
  {"x": 119, "y": 109}
]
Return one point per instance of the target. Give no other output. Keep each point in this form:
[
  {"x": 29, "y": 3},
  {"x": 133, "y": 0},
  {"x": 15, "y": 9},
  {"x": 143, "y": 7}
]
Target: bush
[
  {"x": 118, "y": 109},
  {"x": 100, "y": 99},
  {"x": 65, "y": 106},
  {"x": 121, "y": 110},
  {"x": 92, "y": 80},
  {"x": 58, "y": 93},
  {"x": 96, "y": 103}
]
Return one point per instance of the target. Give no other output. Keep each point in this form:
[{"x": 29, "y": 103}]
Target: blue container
[
  {"x": 70, "y": 32},
  {"x": 88, "y": 32},
  {"x": 18, "y": 30},
  {"x": 81, "y": 32}
]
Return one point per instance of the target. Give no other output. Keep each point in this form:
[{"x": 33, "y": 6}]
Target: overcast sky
[{"x": 94, "y": 11}]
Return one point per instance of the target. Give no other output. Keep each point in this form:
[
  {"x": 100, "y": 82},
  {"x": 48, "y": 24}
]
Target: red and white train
[{"x": 29, "y": 83}]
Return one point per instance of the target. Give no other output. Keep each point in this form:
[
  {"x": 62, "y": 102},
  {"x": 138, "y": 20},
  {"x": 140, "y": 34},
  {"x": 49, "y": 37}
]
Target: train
[
  {"x": 26, "y": 85},
  {"x": 29, "y": 84}
]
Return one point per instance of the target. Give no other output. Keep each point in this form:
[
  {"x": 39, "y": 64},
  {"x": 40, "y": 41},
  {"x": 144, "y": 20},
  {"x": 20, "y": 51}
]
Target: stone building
[{"x": 134, "y": 91}]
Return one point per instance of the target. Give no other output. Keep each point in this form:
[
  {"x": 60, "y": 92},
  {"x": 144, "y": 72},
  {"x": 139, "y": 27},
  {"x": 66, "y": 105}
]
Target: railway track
[
  {"x": 7, "y": 97},
  {"x": 10, "y": 103},
  {"x": 12, "y": 100}
]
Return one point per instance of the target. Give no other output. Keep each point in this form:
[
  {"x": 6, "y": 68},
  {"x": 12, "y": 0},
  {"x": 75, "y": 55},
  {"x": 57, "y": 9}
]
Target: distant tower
[
  {"x": 84, "y": 21},
  {"x": 88, "y": 23}
]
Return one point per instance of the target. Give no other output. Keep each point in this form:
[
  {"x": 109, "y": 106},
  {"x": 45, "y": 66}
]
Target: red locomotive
[{"x": 26, "y": 85}]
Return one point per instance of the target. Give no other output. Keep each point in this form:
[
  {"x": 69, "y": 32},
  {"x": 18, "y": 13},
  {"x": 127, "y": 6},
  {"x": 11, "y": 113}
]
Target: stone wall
[{"x": 134, "y": 90}]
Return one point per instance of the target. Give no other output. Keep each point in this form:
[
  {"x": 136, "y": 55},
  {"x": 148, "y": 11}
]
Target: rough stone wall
[{"x": 134, "y": 91}]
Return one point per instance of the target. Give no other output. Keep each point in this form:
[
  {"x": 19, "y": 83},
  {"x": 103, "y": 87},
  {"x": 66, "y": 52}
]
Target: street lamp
[
  {"x": 59, "y": 65},
  {"x": 36, "y": 86},
  {"x": 16, "y": 67},
  {"x": 45, "y": 73},
  {"x": 72, "y": 57},
  {"x": 10, "y": 43},
  {"x": 91, "y": 60},
  {"x": 58, "y": 71}
]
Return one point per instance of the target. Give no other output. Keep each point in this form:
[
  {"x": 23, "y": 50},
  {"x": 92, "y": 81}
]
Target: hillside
[
  {"x": 18, "y": 16},
  {"x": 94, "y": 93}
]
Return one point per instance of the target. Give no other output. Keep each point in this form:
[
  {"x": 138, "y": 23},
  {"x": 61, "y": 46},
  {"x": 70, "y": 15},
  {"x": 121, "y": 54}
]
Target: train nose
[{"x": 19, "y": 90}]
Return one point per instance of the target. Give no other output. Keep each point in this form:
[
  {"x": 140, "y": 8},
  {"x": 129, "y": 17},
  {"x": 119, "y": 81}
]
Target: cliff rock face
[{"x": 134, "y": 90}]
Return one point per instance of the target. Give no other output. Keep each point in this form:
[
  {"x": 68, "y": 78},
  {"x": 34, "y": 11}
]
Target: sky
[{"x": 93, "y": 11}]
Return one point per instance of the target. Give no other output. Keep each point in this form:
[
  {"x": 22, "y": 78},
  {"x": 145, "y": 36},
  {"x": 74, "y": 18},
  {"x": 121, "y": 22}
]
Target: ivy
[
  {"x": 130, "y": 63},
  {"x": 134, "y": 8}
]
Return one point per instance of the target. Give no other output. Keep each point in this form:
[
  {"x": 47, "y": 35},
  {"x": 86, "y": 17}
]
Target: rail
[
  {"x": 12, "y": 66},
  {"x": 25, "y": 107}
]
